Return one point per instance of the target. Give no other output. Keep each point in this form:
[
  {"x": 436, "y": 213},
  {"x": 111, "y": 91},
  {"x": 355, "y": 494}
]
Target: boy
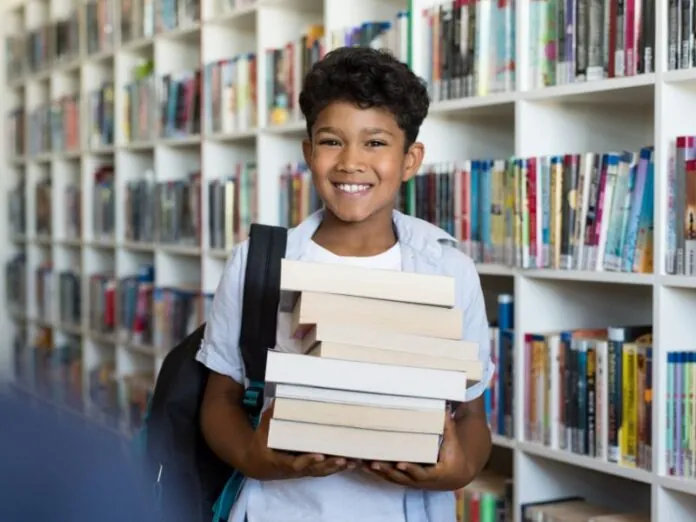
[{"x": 363, "y": 110}]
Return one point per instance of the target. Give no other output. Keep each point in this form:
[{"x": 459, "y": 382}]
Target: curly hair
[{"x": 369, "y": 78}]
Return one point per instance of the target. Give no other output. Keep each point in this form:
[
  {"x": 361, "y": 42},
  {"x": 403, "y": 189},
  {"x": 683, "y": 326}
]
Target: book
[
  {"x": 354, "y": 442},
  {"x": 320, "y": 372},
  {"x": 488, "y": 495},
  {"x": 389, "y": 285},
  {"x": 347, "y": 352},
  {"x": 310, "y": 393},
  {"x": 578, "y": 510},
  {"x": 384, "y": 339},
  {"x": 409, "y": 318},
  {"x": 360, "y": 416},
  {"x": 372, "y": 344}
]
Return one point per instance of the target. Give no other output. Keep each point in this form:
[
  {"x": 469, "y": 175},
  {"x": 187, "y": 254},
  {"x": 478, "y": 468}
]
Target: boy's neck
[{"x": 367, "y": 238}]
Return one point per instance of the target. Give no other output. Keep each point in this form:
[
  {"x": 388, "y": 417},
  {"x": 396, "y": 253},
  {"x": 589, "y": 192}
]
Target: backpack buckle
[{"x": 253, "y": 398}]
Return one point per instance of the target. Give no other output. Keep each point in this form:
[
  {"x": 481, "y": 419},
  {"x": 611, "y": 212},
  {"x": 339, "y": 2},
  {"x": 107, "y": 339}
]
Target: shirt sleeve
[
  {"x": 476, "y": 327},
  {"x": 219, "y": 350}
]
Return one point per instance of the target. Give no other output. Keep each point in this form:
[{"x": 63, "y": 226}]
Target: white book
[
  {"x": 389, "y": 285},
  {"x": 354, "y": 443},
  {"x": 406, "y": 318},
  {"x": 357, "y": 416},
  {"x": 309, "y": 393},
  {"x": 473, "y": 369},
  {"x": 371, "y": 336},
  {"x": 306, "y": 370}
]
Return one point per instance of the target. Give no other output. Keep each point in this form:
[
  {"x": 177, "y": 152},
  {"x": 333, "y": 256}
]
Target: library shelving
[{"x": 143, "y": 136}]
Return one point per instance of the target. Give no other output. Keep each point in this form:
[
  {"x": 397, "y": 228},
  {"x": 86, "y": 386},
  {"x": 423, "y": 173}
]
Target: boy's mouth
[{"x": 353, "y": 188}]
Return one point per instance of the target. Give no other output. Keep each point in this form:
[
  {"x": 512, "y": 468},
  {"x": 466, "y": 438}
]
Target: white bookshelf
[{"x": 596, "y": 116}]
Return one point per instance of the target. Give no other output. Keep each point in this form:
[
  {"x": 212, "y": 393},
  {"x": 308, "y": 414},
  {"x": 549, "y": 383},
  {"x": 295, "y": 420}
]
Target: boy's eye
[
  {"x": 375, "y": 143},
  {"x": 329, "y": 142}
]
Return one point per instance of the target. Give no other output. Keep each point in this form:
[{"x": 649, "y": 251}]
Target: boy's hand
[
  {"x": 269, "y": 464},
  {"x": 448, "y": 474}
]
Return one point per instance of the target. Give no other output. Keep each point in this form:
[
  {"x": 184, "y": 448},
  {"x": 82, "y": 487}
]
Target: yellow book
[
  {"x": 510, "y": 211},
  {"x": 518, "y": 209},
  {"x": 546, "y": 387},
  {"x": 628, "y": 435},
  {"x": 557, "y": 212}
]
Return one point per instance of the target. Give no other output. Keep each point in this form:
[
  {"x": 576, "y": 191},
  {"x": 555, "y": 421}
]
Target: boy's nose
[{"x": 350, "y": 160}]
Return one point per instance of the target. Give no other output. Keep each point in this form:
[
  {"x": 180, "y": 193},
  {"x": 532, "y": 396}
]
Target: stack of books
[{"x": 381, "y": 362}]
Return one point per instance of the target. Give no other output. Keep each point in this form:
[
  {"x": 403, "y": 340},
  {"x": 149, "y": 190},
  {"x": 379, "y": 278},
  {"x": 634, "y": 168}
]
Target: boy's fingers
[
  {"x": 328, "y": 467},
  {"x": 304, "y": 461},
  {"x": 391, "y": 473},
  {"x": 376, "y": 475},
  {"x": 414, "y": 471}
]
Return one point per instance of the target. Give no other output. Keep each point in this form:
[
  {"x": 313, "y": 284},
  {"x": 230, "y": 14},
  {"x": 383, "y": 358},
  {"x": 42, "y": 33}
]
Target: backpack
[{"x": 191, "y": 484}]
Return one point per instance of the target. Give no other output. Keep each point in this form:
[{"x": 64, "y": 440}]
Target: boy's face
[{"x": 358, "y": 161}]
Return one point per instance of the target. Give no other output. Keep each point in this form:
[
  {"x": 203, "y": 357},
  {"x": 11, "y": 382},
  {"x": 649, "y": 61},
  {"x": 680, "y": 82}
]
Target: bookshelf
[{"x": 81, "y": 205}]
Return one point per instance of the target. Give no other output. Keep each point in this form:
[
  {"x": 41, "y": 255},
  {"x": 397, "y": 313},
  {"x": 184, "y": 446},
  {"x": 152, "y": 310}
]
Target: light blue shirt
[{"x": 349, "y": 496}]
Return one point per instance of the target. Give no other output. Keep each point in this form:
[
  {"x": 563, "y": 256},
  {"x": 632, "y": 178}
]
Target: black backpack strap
[{"x": 260, "y": 307}]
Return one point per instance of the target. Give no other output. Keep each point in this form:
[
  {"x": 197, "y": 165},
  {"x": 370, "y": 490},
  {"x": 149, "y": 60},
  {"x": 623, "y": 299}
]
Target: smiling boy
[{"x": 363, "y": 110}]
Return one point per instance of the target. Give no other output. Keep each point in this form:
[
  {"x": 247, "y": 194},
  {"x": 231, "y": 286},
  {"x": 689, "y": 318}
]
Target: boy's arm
[
  {"x": 228, "y": 432},
  {"x": 474, "y": 438},
  {"x": 470, "y": 418},
  {"x": 226, "y": 427},
  {"x": 224, "y": 422}
]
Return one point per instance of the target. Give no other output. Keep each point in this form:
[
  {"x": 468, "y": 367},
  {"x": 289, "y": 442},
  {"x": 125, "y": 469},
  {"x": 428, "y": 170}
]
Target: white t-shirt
[{"x": 324, "y": 499}]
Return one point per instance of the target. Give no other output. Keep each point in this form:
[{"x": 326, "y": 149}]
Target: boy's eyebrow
[
  {"x": 376, "y": 130},
  {"x": 326, "y": 129},
  {"x": 370, "y": 130}
]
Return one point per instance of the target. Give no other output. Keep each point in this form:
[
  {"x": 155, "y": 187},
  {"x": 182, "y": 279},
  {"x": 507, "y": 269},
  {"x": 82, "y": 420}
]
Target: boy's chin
[{"x": 354, "y": 215}]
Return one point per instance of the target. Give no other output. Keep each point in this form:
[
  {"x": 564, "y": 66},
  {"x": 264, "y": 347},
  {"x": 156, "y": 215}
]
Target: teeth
[{"x": 352, "y": 187}]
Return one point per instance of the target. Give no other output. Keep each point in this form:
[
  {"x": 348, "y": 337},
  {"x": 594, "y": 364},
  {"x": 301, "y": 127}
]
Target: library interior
[{"x": 143, "y": 138}]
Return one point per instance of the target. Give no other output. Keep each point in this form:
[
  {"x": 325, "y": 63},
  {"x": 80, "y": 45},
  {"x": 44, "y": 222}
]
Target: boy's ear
[
  {"x": 413, "y": 161},
  {"x": 307, "y": 151}
]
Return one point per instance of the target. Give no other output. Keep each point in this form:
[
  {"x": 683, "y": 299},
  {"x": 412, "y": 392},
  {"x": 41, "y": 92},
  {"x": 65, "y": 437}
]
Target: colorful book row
[
  {"x": 590, "y": 41},
  {"x": 469, "y": 48},
  {"x": 591, "y": 211},
  {"x": 589, "y": 392}
]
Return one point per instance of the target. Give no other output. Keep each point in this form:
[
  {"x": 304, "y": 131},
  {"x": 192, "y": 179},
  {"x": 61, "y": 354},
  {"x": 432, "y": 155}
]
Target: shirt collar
[{"x": 415, "y": 234}]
